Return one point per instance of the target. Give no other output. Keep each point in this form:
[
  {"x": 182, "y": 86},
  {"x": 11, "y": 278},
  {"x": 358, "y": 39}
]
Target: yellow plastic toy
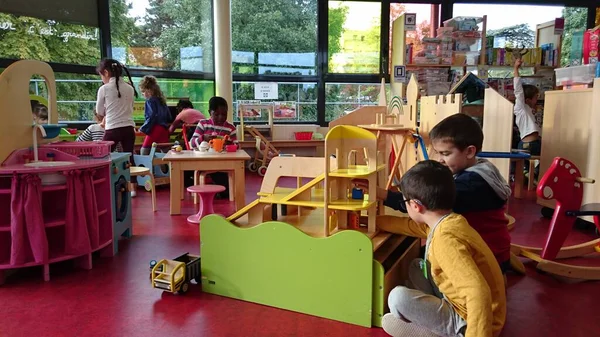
[{"x": 174, "y": 275}]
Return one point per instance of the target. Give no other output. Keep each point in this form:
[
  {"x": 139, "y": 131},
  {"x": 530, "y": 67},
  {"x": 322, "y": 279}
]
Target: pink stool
[{"x": 207, "y": 195}]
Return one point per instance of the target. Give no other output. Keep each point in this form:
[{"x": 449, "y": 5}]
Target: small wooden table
[{"x": 197, "y": 161}]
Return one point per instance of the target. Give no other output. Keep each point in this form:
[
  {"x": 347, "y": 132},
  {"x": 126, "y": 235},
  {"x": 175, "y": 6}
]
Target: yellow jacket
[{"x": 464, "y": 269}]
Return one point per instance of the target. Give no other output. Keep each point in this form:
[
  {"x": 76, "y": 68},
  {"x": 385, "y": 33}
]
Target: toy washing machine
[{"x": 120, "y": 198}]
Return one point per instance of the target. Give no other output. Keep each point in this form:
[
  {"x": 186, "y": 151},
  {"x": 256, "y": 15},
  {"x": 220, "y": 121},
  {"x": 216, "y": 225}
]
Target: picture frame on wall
[{"x": 285, "y": 110}]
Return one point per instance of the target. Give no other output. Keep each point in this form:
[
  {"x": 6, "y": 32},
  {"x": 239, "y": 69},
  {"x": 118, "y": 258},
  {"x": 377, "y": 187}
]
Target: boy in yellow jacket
[{"x": 458, "y": 290}]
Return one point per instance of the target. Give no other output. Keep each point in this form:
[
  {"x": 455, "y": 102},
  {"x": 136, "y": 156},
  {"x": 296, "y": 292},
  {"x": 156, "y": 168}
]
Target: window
[
  {"x": 300, "y": 97},
  {"x": 274, "y": 37},
  {"x": 169, "y": 34},
  {"x": 517, "y": 23},
  {"x": 343, "y": 98},
  {"x": 76, "y": 94},
  {"x": 198, "y": 92},
  {"x": 23, "y": 37},
  {"x": 354, "y": 37},
  {"x": 424, "y": 25}
]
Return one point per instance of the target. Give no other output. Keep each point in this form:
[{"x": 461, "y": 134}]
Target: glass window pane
[
  {"x": 518, "y": 23},
  {"x": 343, "y": 98},
  {"x": 424, "y": 24},
  {"x": 170, "y": 34},
  {"x": 274, "y": 37},
  {"x": 198, "y": 92},
  {"x": 76, "y": 94},
  {"x": 354, "y": 37},
  {"x": 302, "y": 97},
  {"x": 23, "y": 37}
]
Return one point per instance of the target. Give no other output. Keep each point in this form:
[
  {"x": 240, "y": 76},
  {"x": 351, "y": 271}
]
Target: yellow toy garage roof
[{"x": 349, "y": 132}]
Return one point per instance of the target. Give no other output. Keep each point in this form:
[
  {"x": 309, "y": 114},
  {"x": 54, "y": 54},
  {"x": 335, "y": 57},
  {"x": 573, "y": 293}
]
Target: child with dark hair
[
  {"x": 157, "y": 114},
  {"x": 216, "y": 126},
  {"x": 40, "y": 114},
  {"x": 115, "y": 104},
  {"x": 95, "y": 132},
  {"x": 526, "y": 97},
  {"x": 457, "y": 289},
  {"x": 186, "y": 114},
  {"x": 481, "y": 191}
]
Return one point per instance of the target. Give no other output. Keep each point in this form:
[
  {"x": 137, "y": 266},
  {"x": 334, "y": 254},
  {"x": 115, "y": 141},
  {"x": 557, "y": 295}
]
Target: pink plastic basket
[
  {"x": 82, "y": 149},
  {"x": 303, "y": 135}
]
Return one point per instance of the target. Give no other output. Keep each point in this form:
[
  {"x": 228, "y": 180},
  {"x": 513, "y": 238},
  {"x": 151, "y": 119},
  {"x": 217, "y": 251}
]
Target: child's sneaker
[
  {"x": 398, "y": 328},
  {"x": 133, "y": 194}
]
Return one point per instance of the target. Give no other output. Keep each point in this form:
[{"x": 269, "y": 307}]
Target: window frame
[{"x": 322, "y": 76}]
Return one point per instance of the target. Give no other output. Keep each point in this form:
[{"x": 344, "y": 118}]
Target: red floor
[{"x": 115, "y": 297}]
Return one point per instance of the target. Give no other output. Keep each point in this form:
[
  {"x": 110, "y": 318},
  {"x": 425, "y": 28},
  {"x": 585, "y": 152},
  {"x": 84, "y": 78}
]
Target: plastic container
[
  {"x": 463, "y": 23},
  {"x": 466, "y": 58},
  {"x": 575, "y": 75},
  {"x": 66, "y": 136},
  {"x": 82, "y": 149},
  {"x": 303, "y": 135},
  {"x": 443, "y": 32},
  {"x": 52, "y": 130},
  {"x": 427, "y": 60}
]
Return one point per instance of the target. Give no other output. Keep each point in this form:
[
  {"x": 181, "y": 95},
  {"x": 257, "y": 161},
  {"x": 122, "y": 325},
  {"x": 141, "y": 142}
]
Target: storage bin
[
  {"x": 463, "y": 23},
  {"x": 575, "y": 75}
]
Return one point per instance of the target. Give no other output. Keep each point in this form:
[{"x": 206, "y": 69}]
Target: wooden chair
[
  {"x": 532, "y": 161},
  {"x": 137, "y": 171}
]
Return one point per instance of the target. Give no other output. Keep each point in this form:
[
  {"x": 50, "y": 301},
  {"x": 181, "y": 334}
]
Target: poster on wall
[
  {"x": 138, "y": 111},
  {"x": 266, "y": 91},
  {"x": 410, "y": 22},
  {"x": 250, "y": 109},
  {"x": 285, "y": 110}
]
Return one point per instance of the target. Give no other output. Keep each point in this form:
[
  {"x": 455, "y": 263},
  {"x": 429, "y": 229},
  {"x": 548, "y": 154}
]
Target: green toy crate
[{"x": 64, "y": 135}]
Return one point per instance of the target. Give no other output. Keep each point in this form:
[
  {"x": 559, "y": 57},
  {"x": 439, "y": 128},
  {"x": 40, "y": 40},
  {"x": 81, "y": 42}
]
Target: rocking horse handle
[{"x": 585, "y": 180}]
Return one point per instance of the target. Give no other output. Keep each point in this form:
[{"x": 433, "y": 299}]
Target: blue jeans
[{"x": 534, "y": 148}]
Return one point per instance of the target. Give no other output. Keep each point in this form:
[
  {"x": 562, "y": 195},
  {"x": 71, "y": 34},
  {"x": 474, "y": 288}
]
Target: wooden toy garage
[{"x": 310, "y": 260}]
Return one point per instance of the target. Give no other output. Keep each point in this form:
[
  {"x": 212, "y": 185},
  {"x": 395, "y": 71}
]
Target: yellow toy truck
[{"x": 175, "y": 275}]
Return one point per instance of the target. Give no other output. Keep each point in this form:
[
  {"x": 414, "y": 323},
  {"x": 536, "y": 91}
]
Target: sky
[
  {"x": 361, "y": 14},
  {"x": 139, "y": 8}
]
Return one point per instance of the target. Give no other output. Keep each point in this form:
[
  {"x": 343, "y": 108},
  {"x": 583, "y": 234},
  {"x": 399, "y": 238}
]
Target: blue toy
[{"x": 161, "y": 172}]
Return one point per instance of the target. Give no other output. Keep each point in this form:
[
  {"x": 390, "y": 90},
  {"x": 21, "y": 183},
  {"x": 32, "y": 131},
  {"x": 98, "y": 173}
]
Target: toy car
[{"x": 175, "y": 275}]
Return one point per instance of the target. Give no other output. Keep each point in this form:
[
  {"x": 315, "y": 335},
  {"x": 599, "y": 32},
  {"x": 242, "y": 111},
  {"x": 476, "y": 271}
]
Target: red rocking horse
[{"x": 563, "y": 182}]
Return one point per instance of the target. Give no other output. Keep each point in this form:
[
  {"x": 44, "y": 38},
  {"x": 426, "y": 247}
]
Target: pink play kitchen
[{"x": 58, "y": 201}]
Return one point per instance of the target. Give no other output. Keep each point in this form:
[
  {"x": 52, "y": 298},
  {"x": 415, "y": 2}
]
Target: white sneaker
[
  {"x": 398, "y": 328},
  {"x": 133, "y": 194}
]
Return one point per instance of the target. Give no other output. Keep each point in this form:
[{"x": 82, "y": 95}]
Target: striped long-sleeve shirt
[
  {"x": 95, "y": 133},
  {"x": 208, "y": 127}
]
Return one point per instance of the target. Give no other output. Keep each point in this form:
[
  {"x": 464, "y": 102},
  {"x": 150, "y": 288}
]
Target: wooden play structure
[
  {"x": 573, "y": 135},
  {"x": 314, "y": 259},
  {"x": 16, "y": 132},
  {"x": 563, "y": 183},
  {"x": 394, "y": 126}
]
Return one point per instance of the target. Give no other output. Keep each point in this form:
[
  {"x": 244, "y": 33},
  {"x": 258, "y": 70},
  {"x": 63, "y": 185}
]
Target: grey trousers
[{"x": 423, "y": 307}]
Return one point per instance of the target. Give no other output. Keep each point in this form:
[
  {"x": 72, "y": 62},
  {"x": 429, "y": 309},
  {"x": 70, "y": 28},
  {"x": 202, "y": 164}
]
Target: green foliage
[
  {"x": 173, "y": 24},
  {"x": 575, "y": 21},
  {"x": 517, "y": 36},
  {"x": 337, "y": 17}
]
